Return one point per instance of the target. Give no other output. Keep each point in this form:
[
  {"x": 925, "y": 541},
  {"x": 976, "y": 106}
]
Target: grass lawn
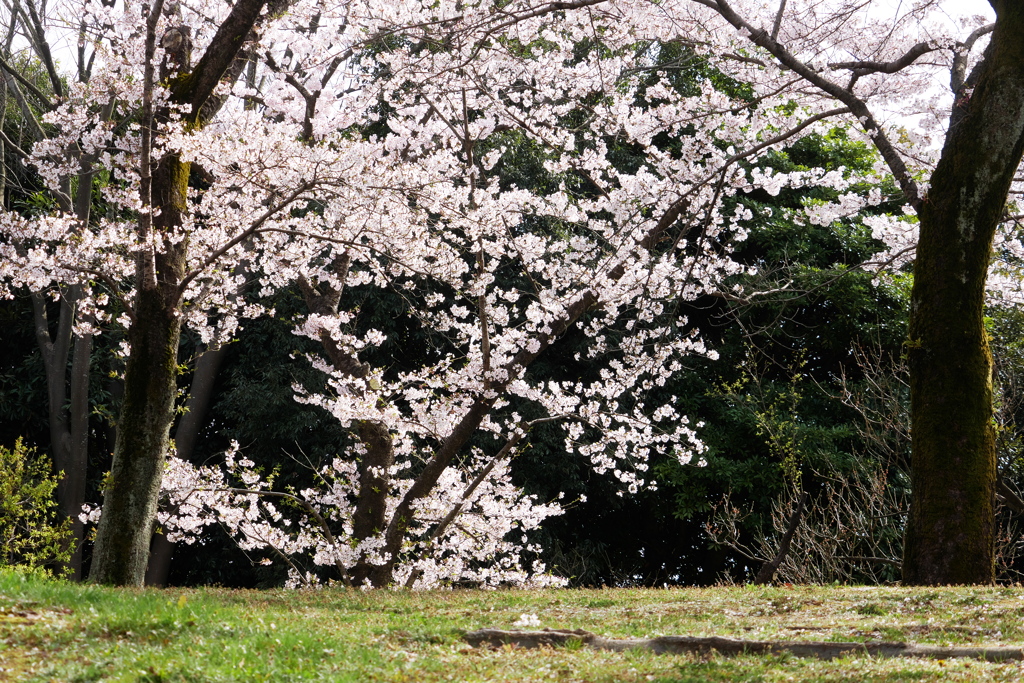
[{"x": 56, "y": 631}]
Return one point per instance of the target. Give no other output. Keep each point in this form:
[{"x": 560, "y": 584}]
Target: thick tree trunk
[
  {"x": 69, "y": 396},
  {"x": 369, "y": 518},
  {"x": 147, "y": 409},
  {"x": 150, "y": 386},
  {"x": 133, "y": 486},
  {"x": 951, "y": 531},
  {"x": 200, "y": 394}
]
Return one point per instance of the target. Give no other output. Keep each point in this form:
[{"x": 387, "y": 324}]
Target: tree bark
[
  {"x": 950, "y": 536},
  {"x": 147, "y": 410},
  {"x": 67, "y": 408},
  {"x": 369, "y": 517},
  {"x": 71, "y": 487},
  {"x": 133, "y": 486}
]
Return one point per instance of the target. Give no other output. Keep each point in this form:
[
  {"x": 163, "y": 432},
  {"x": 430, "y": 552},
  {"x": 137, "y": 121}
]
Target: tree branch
[
  {"x": 197, "y": 88},
  {"x": 863, "y": 68},
  {"x": 961, "y": 53},
  {"x": 44, "y": 101},
  {"x": 858, "y": 108},
  {"x": 37, "y": 34},
  {"x": 767, "y": 572},
  {"x": 778, "y": 20},
  {"x": 306, "y": 506}
]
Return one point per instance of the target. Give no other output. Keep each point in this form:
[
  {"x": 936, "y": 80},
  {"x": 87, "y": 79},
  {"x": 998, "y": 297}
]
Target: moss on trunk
[
  {"x": 147, "y": 409},
  {"x": 133, "y": 486}
]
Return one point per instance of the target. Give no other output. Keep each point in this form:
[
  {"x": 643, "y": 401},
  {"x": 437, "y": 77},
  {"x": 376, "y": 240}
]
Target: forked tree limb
[{"x": 737, "y": 646}]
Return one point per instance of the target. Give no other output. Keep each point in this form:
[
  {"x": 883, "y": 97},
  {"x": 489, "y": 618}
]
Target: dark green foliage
[
  {"x": 22, "y": 381},
  {"x": 785, "y": 358}
]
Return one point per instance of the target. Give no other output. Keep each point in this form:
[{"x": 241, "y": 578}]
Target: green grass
[{"x": 56, "y": 631}]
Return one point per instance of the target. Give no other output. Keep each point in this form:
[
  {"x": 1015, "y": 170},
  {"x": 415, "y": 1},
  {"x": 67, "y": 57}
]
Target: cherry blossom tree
[
  {"x": 153, "y": 305},
  {"x": 361, "y": 144},
  {"x": 33, "y": 85},
  {"x": 464, "y": 532},
  {"x": 614, "y": 257}
]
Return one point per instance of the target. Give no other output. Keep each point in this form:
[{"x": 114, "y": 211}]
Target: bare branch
[
  {"x": 863, "y": 68},
  {"x": 864, "y": 558},
  {"x": 961, "y": 54},
  {"x": 767, "y": 572},
  {"x": 44, "y": 101},
  {"x": 26, "y": 110},
  {"x": 1009, "y": 497},
  {"x": 778, "y": 20},
  {"x": 14, "y": 147},
  {"x": 37, "y": 34}
]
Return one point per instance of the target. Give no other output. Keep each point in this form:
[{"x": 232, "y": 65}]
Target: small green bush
[{"x": 31, "y": 532}]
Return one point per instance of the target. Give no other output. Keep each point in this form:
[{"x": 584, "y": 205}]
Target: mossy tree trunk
[
  {"x": 950, "y": 536},
  {"x": 147, "y": 410},
  {"x": 133, "y": 486}
]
